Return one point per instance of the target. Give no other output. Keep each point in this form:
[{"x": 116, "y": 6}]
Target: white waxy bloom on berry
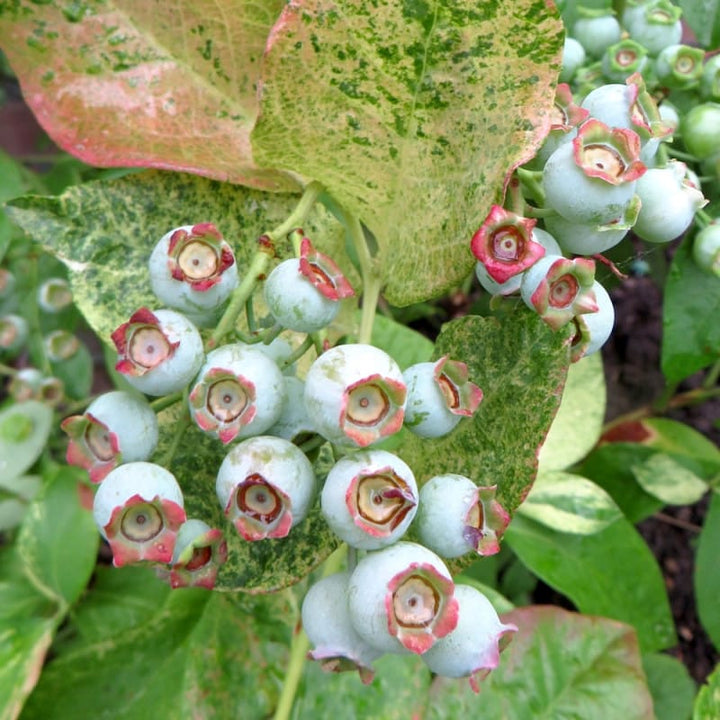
[
  {"x": 439, "y": 396},
  {"x": 294, "y": 423},
  {"x": 193, "y": 269},
  {"x": 355, "y": 394},
  {"x": 117, "y": 427},
  {"x": 302, "y": 293},
  {"x": 266, "y": 486},
  {"x": 158, "y": 352},
  {"x": 54, "y": 295},
  {"x": 199, "y": 552},
  {"x": 558, "y": 289},
  {"x": 239, "y": 392},
  {"x": 139, "y": 509},
  {"x": 456, "y": 516},
  {"x": 513, "y": 284},
  {"x": 369, "y": 499},
  {"x": 592, "y": 179},
  {"x": 401, "y": 598},
  {"x": 326, "y": 621},
  {"x": 473, "y": 649},
  {"x": 593, "y": 329},
  {"x": 580, "y": 239}
]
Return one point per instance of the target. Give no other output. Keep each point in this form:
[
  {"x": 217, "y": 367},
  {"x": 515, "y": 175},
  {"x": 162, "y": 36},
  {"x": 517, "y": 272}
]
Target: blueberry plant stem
[
  {"x": 300, "y": 646},
  {"x": 370, "y": 278},
  {"x": 261, "y": 261},
  {"x": 165, "y": 402}
]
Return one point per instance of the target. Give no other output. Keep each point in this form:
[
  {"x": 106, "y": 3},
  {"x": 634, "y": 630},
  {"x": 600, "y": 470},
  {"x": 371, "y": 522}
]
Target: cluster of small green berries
[
  {"x": 400, "y": 597},
  {"x": 602, "y": 172}
]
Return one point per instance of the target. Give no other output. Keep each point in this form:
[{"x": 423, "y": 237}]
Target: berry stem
[
  {"x": 165, "y": 402},
  {"x": 531, "y": 181},
  {"x": 300, "y": 646},
  {"x": 298, "y": 216},
  {"x": 296, "y": 354}
]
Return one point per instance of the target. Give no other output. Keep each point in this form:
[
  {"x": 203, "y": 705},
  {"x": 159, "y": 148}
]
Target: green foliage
[
  {"x": 611, "y": 573},
  {"x": 672, "y": 688},
  {"x": 707, "y": 578},
  {"x": 707, "y": 703}
]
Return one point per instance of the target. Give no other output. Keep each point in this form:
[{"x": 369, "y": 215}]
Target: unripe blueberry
[
  {"x": 30, "y": 384},
  {"x": 138, "y": 509},
  {"x": 369, "y": 499},
  {"x": 623, "y": 59},
  {"x": 456, "y": 516},
  {"x": 239, "y": 392},
  {"x": 593, "y": 329},
  {"x": 580, "y": 239},
  {"x": 558, "y": 289},
  {"x": 158, "y": 352},
  {"x": 573, "y": 57},
  {"x": 193, "y": 269},
  {"x": 60, "y": 345},
  {"x": 302, "y": 293},
  {"x": 54, "y": 295},
  {"x": 355, "y": 394},
  {"x": 654, "y": 24},
  {"x": 710, "y": 80},
  {"x": 473, "y": 649},
  {"x": 326, "y": 621},
  {"x": 700, "y": 128},
  {"x": 117, "y": 427},
  {"x": 679, "y": 66},
  {"x": 439, "y": 396},
  {"x": 402, "y": 598},
  {"x": 596, "y": 30},
  {"x": 266, "y": 486},
  {"x": 566, "y": 117},
  {"x": 199, "y": 552},
  {"x": 706, "y": 248},
  {"x": 592, "y": 179},
  {"x": 14, "y": 332},
  {"x": 668, "y": 203},
  {"x": 513, "y": 284}
]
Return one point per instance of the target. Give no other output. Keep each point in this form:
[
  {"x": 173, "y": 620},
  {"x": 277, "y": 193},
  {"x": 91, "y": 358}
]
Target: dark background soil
[{"x": 632, "y": 369}]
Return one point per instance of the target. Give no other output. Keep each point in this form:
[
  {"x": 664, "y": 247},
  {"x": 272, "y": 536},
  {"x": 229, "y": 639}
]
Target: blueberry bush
[{"x": 242, "y": 471}]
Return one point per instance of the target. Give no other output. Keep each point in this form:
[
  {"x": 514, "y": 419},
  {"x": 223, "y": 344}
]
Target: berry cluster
[{"x": 400, "y": 596}]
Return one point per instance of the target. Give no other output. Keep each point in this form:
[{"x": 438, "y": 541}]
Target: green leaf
[
  {"x": 579, "y": 420},
  {"x": 15, "y": 494},
  {"x": 672, "y": 688},
  {"x": 170, "y": 86},
  {"x": 24, "y": 430},
  {"x": 569, "y": 504},
  {"x": 193, "y": 654},
  {"x": 105, "y": 231},
  {"x": 665, "y": 478},
  {"x": 58, "y": 540},
  {"x": 691, "y": 335},
  {"x": 610, "y": 467},
  {"x": 405, "y": 345},
  {"x": 412, "y": 114},
  {"x": 262, "y": 565},
  {"x": 76, "y": 373},
  {"x": 611, "y": 573},
  {"x": 707, "y": 703},
  {"x": 558, "y": 665},
  {"x": 707, "y": 578},
  {"x": 398, "y": 691},
  {"x": 520, "y": 364},
  {"x": 703, "y": 16}
]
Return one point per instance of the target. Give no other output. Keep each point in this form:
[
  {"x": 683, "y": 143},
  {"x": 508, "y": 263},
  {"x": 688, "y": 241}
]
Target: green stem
[
  {"x": 298, "y": 216},
  {"x": 296, "y": 354},
  {"x": 300, "y": 646},
  {"x": 680, "y": 155},
  {"x": 702, "y": 219},
  {"x": 711, "y": 379},
  {"x": 532, "y": 184},
  {"x": 165, "y": 402},
  {"x": 371, "y": 279}
]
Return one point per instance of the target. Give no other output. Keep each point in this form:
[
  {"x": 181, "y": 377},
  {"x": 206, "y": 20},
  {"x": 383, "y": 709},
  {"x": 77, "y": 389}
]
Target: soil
[{"x": 632, "y": 369}]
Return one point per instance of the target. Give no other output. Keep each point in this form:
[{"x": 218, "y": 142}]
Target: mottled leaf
[
  {"x": 520, "y": 364},
  {"x": 165, "y": 85},
  {"x": 105, "y": 231},
  {"x": 412, "y": 114},
  {"x": 671, "y": 686},
  {"x": 611, "y": 573},
  {"x": 707, "y": 577},
  {"x": 569, "y": 504},
  {"x": 558, "y": 665},
  {"x": 192, "y": 653},
  {"x": 579, "y": 420},
  {"x": 691, "y": 335},
  {"x": 665, "y": 478},
  {"x": 262, "y": 565}
]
